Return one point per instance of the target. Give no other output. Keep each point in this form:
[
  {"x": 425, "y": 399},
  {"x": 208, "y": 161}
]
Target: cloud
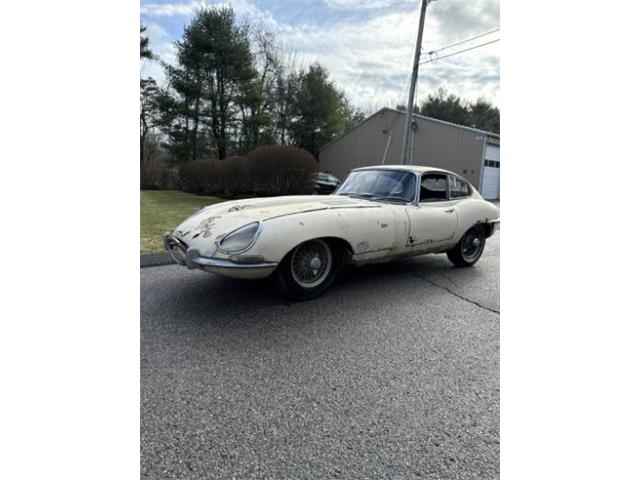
[
  {"x": 171, "y": 9},
  {"x": 366, "y": 4},
  {"x": 367, "y": 46},
  {"x": 242, "y": 8},
  {"x": 371, "y": 60},
  {"x": 163, "y": 48},
  {"x": 156, "y": 33}
]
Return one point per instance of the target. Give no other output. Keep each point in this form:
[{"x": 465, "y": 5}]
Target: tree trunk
[
  {"x": 222, "y": 138},
  {"x": 194, "y": 137}
]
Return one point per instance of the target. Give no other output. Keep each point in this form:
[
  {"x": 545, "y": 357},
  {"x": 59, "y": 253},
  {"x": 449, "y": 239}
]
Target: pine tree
[{"x": 145, "y": 51}]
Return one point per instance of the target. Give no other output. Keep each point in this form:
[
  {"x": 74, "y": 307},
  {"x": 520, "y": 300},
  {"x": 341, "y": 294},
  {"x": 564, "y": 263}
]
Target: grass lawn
[{"x": 163, "y": 210}]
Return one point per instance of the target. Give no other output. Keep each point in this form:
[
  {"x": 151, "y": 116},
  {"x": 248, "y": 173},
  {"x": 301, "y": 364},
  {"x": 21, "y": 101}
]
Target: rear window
[{"x": 458, "y": 188}]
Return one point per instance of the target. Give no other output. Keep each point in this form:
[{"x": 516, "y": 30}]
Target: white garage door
[{"x": 491, "y": 176}]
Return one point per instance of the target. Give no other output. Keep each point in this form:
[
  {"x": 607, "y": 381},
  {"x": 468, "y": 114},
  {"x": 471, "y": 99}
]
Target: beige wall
[{"x": 438, "y": 145}]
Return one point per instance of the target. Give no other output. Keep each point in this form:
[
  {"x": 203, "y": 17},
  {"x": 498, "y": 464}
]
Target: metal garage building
[{"x": 472, "y": 153}]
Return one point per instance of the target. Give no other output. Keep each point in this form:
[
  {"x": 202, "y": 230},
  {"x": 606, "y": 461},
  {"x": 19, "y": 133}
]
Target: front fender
[{"x": 370, "y": 232}]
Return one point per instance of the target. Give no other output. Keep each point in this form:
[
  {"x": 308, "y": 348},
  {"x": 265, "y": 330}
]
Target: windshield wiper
[
  {"x": 367, "y": 195},
  {"x": 391, "y": 197},
  {"x": 374, "y": 196},
  {"x": 357, "y": 195}
]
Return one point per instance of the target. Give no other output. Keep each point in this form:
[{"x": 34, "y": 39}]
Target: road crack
[{"x": 461, "y": 297}]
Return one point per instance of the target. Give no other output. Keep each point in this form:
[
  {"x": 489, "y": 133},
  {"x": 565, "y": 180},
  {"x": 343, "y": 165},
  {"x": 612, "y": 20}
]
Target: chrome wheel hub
[
  {"x": 472, "y": 245},
  {"x": 311, "y": 263},
  {"x": 315, "y": 264}
]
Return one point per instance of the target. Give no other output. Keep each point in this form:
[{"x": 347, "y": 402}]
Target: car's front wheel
[
  {"x": 469, "y": 249},
  {"x": 308, "y": 270}
]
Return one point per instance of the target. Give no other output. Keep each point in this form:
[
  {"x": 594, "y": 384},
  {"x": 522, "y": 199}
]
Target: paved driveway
[{"x": 394, "y": 373}]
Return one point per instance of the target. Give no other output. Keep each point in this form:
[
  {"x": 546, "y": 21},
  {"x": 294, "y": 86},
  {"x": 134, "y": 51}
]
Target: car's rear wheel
[
  {"x": 469, "y": 249},
  {"x": 308, "y": 270}
]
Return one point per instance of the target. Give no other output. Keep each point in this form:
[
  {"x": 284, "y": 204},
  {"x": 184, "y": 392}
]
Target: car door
[{"x": 434, "y": 220}]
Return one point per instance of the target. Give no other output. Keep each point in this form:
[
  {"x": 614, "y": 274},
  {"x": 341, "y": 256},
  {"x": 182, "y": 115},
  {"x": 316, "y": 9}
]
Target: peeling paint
[
  {"x": 362, "y": 247},
  {"x": 207, "y": 225},
  {"x": 237, "y": 208},
  {"x": 374, "y": 232}
]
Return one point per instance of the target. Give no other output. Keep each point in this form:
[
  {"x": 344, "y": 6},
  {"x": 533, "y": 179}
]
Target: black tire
[
  {"x": 469, "y": 249},
  {"x": 296, "y": 276}
]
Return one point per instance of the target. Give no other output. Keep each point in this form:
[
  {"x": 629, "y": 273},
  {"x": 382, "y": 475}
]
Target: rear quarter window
[{"x": 458, "y": 188}]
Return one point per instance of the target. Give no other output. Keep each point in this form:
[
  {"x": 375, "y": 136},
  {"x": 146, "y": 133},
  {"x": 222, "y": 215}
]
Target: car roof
[{"x": 406, "y": 168}]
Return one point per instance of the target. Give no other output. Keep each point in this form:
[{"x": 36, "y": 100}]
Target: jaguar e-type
[{"x": 378, "y": 214}]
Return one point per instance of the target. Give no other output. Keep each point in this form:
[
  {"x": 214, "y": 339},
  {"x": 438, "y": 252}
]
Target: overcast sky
[{"x": 366, "y": 45}]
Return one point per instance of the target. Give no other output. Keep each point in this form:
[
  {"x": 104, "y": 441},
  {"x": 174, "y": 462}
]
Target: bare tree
[{"x": 148, "y": 111}]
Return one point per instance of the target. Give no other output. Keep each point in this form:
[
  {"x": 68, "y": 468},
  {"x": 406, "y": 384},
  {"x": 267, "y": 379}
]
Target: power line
[
  {"x": 458, "y": 52},
  {"x": 464, "y": 41}
]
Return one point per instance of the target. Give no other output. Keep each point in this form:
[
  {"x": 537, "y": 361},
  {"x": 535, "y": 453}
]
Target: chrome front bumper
[{"x": 190, "y": 257}]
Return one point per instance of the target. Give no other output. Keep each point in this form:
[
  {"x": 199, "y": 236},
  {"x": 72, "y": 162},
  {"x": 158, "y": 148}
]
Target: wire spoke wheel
[
  {"x": 471, "y": 245},
  {"x": 311, "y": 263}
]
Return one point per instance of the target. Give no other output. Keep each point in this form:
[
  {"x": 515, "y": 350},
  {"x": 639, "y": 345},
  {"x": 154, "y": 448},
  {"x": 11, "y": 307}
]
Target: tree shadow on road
[{"x": 198, "y": 299}]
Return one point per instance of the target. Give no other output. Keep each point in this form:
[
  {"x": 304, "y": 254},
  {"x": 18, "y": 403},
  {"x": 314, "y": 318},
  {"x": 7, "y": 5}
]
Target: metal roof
[
  {"x": 407, "y": 168},
  {"x": 416, "y": 115}
]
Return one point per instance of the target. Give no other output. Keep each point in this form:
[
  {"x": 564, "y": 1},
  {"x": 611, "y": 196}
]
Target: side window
[
  {"x": 458, "y": 188},
  {"x": 433, "y": 187}
]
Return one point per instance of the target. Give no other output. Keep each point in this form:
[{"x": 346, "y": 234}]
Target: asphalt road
[{"x": 394, "y": 373}]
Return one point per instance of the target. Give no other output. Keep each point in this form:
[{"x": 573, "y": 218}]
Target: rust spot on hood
[
  {"x": 237, "y": 208},
  {"x": 206, "y": 225}
]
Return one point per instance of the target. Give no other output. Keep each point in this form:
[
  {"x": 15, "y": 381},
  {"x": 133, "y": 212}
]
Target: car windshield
[{"x": 385, "y": 185}]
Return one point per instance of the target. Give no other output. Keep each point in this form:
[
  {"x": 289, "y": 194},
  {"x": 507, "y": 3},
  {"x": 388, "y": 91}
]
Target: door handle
[{"x": 451, "y": 210}]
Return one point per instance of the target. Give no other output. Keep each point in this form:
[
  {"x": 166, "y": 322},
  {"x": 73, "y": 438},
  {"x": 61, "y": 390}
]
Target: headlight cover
[{"x": 240, "y": 239}]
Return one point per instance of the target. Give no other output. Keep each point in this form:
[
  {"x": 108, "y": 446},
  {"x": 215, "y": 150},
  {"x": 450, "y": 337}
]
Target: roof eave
[{"x": 418, "y": 115}]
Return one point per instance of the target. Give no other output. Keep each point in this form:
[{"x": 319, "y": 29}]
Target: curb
[{"x": 155, "y": 260}]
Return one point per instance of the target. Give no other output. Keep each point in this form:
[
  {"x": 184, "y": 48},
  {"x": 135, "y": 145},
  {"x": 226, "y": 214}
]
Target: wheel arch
[
  {"x": 340, "y": 246},
  {"x": 337, "y": 244},
  {"x": 488, "y": 228}
]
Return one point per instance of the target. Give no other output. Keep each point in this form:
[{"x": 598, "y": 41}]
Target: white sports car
[{"x": 379, "y": 213}]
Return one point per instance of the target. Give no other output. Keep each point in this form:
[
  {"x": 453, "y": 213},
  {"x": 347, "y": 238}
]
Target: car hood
[{"x": 205, "y": 226}]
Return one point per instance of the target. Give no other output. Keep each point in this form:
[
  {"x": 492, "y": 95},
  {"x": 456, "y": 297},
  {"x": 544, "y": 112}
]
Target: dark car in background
[{"x": 324, "y": 183}]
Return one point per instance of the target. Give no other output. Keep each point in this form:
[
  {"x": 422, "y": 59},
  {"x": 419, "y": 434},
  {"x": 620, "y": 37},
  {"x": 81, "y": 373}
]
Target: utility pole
[{"x": 412, "y": 90}]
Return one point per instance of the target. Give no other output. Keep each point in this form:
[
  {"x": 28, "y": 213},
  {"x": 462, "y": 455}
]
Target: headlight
[{"x": 240, "y": 239}]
